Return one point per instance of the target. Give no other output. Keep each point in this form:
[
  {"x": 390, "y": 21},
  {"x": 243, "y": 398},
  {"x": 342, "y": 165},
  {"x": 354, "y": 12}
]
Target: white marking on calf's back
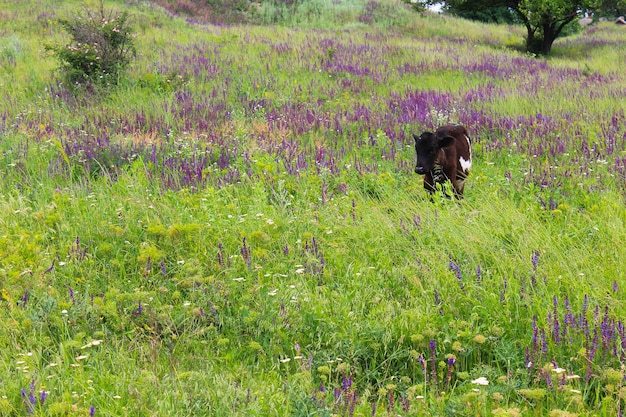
[{"x": 466, "y": 165}]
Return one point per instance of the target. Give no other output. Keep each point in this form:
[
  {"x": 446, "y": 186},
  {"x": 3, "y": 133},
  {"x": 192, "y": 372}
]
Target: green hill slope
[{"x": 236, "y": 227}]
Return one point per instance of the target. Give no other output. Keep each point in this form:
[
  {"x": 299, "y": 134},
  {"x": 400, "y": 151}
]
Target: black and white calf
[{"x": 443, "y": 156}]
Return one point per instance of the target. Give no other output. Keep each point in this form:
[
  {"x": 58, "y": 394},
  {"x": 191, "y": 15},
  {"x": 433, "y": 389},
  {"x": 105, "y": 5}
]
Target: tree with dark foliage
[{"x": 545, "y": 20}]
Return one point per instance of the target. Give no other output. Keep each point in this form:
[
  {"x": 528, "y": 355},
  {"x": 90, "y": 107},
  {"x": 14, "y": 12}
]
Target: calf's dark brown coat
[{"x": 444, "y": 155}]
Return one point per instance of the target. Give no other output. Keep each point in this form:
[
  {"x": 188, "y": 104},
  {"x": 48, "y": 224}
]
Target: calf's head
[{"x": 427, "y": 148}]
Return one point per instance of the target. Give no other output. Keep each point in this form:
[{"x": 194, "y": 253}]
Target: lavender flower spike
[{"x": 535, "y": 260}]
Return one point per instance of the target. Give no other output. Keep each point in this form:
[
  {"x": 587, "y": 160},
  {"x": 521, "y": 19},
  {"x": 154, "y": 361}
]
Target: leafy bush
[{"x": 101, "y": 49}]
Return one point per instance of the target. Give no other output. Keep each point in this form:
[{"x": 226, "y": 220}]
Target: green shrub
[{"x": 101, "y": 48}]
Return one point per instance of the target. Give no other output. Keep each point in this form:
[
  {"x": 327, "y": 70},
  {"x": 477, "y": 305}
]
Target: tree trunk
[
  {"x": 549, "y": 36},
  {"x": 541, "y": 44},
  {"x": 530, "y": 37},
  {"x": 550, "y": 31}
]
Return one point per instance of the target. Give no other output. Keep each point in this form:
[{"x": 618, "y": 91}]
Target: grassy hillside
[{"x": 236, "y": 228}]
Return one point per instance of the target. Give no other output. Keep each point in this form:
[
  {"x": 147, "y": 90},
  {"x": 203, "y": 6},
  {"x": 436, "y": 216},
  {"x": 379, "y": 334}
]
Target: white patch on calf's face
[{"x": 466, "y": 165}]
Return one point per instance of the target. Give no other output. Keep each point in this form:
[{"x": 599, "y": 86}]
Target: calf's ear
[
  {"x": 446, "y": 141},
  {"x": 415, "y": 137}
]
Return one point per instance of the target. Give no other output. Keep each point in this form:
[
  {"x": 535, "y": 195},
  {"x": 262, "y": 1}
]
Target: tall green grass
[{"x": 319, "y": 292}]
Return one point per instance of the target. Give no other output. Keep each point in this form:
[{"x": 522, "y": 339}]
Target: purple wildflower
[
  {"x": 535, "y": 260},
  {"x": 220, "y": 254},
  {"x": 346, "y": 383},
  {"x": 349, "y": 400},
  {"x": 568, "y": 319},
  {"x": 553, "y": 204},
  {"x": 27, "y": 404},
  {"x": 422, "y": 362},
  {"x": 417, "y": 220},
  {"x": 322, "y": 388},
  {"x": 76, "y": 252},
  {"x": 535, "y": 346},
  {"x": 594, "y": 346},
  {"x": 28, "y": 397},
  {"x": 42, "y": 397},
  {"x": 522, "y": 288},
  {"x": 148, "y": 266},
  {"x": 451, "y": 361},
  {"x": 31, "y": 394},
  {"x": 608, "y": 330},
  {"x": 47, "y": 271},
  {"x": 457, "y": 271},
  {"x": 92, "y": 411},
  {"x": 139, "y": 310},
  {"x": 546, "y": 376},
  {"x": 245, "y": 253},
  {"x": 163, "y": 271},
  {"x": 622, "y": 335},
  {"x": 392, "y": 402},
  {"x": 556, "y": 327},
  {"x": 433, "y": 365},
  {"x": 25, "y": 298},
  {"x": 406, "y": 403}
]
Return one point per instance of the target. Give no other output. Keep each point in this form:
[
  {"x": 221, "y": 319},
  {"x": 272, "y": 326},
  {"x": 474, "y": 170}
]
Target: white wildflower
[
  {"x": 92, "y": 343},
  {"x": 481, "y": 381}
]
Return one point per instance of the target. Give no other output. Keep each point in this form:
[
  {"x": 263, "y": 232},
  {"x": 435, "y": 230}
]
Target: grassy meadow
[{"x": 235, "y": 229}]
